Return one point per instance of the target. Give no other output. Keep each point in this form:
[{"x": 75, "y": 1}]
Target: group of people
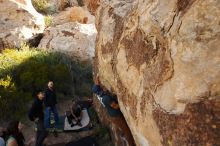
[
  {"x": 43, "y": 119},
  {"x": 40, "y": 113},
  {"x": 12, "y": 135}
]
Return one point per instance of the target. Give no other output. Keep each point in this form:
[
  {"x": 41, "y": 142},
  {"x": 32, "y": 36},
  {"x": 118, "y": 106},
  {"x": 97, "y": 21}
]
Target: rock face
[
  {"x": 18, "y": 21},
  {"x": 54, "y": 6},
  {"x": 120, "y": 132},
  {"x": 161, "y": 59},
  {"x": 72, "y": 32},
  {"x": 92, "y": 5},
  {"x": 60, "y": 5},
  {"x": 74, "y": 14},
  {"x": 75, "y": 39}
]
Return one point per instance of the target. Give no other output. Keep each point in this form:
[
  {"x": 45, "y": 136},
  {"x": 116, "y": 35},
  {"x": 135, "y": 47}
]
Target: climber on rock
[
  {"x": 106, "y": 99},
  {"x": 50, "y": 102}
]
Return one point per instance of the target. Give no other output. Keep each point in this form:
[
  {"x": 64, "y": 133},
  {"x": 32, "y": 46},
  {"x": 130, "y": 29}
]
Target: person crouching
[{"x": 75, "y": 115}]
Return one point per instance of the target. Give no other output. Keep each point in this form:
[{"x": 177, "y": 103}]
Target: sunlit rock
[
  {"x": 74, "y": 14},
  {"x": 19, "y": 21},
  {"x": 27, "y": 5},
  {"x": 162, "y": 60},
  {"x": 73, "y": 38},
  {"x": 55, "y": 6}
]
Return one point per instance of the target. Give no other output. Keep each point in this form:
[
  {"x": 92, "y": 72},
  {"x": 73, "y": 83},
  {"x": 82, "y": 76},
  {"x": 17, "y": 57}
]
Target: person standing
[
  {"x": 50, "y": 102},
  {"x": 36, "y": 114}
]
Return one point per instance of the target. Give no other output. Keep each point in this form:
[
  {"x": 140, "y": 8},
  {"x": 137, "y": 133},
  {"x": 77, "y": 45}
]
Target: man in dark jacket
[
  {"x": 36, "y": 114},
  {"x": 50, "y": 102}
]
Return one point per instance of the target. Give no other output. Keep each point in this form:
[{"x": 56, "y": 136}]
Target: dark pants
[
  {"x": 41, "y": 133},
  {"x": 70, "y": 117},
  {"x": 47, "y": 116}
]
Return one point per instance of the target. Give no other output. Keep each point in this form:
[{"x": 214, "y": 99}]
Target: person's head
[
  {"x": 73, "y": 102},
  {"x": 97, "y": 81},
  {"x": 40, "y": 95},
  {"x": 20, "y": 126},
  {"x": 50, "y": 84},
  {"x": 14, "y": 129},
  {"x": 2, "y": 131}
]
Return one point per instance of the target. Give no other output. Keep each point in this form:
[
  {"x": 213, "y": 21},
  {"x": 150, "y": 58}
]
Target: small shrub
[
  {"x": 80, "y": 3},
  {"x": 48, "y": 20},
  {"x": 40, "y": 5},
  {"x": 12, "y": 101},
  {"x": 6, "y": 82},
  {"x": 103, "y": 131}
]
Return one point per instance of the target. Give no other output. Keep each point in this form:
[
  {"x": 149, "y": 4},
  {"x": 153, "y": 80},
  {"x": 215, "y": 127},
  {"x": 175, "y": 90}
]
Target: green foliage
[
  {"x": 8, "y": 95},
  {"x": 93, "y": 115},
  {"x": 80, "y": 3},
  {"x": 40, "y": 5},
  {"x": 82, "y": 74},
  {"x": 102, "y": 131},
  {"x": 10, "y": 58},
  {"x": 48, "y": 20},
  {"x": 24, "y": 71},
  {"x": 6, "y": 82}
]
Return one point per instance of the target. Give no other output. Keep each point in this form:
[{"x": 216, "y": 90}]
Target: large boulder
[
  {"x": 19, "y": 21},
  {"x": 161, "y": 58},
  {"x": 119, "y": 130},
  {"x": 72, "y": 38},
  {"x": 55, "y": 6},
  {"x": 74, "y": 14}
]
